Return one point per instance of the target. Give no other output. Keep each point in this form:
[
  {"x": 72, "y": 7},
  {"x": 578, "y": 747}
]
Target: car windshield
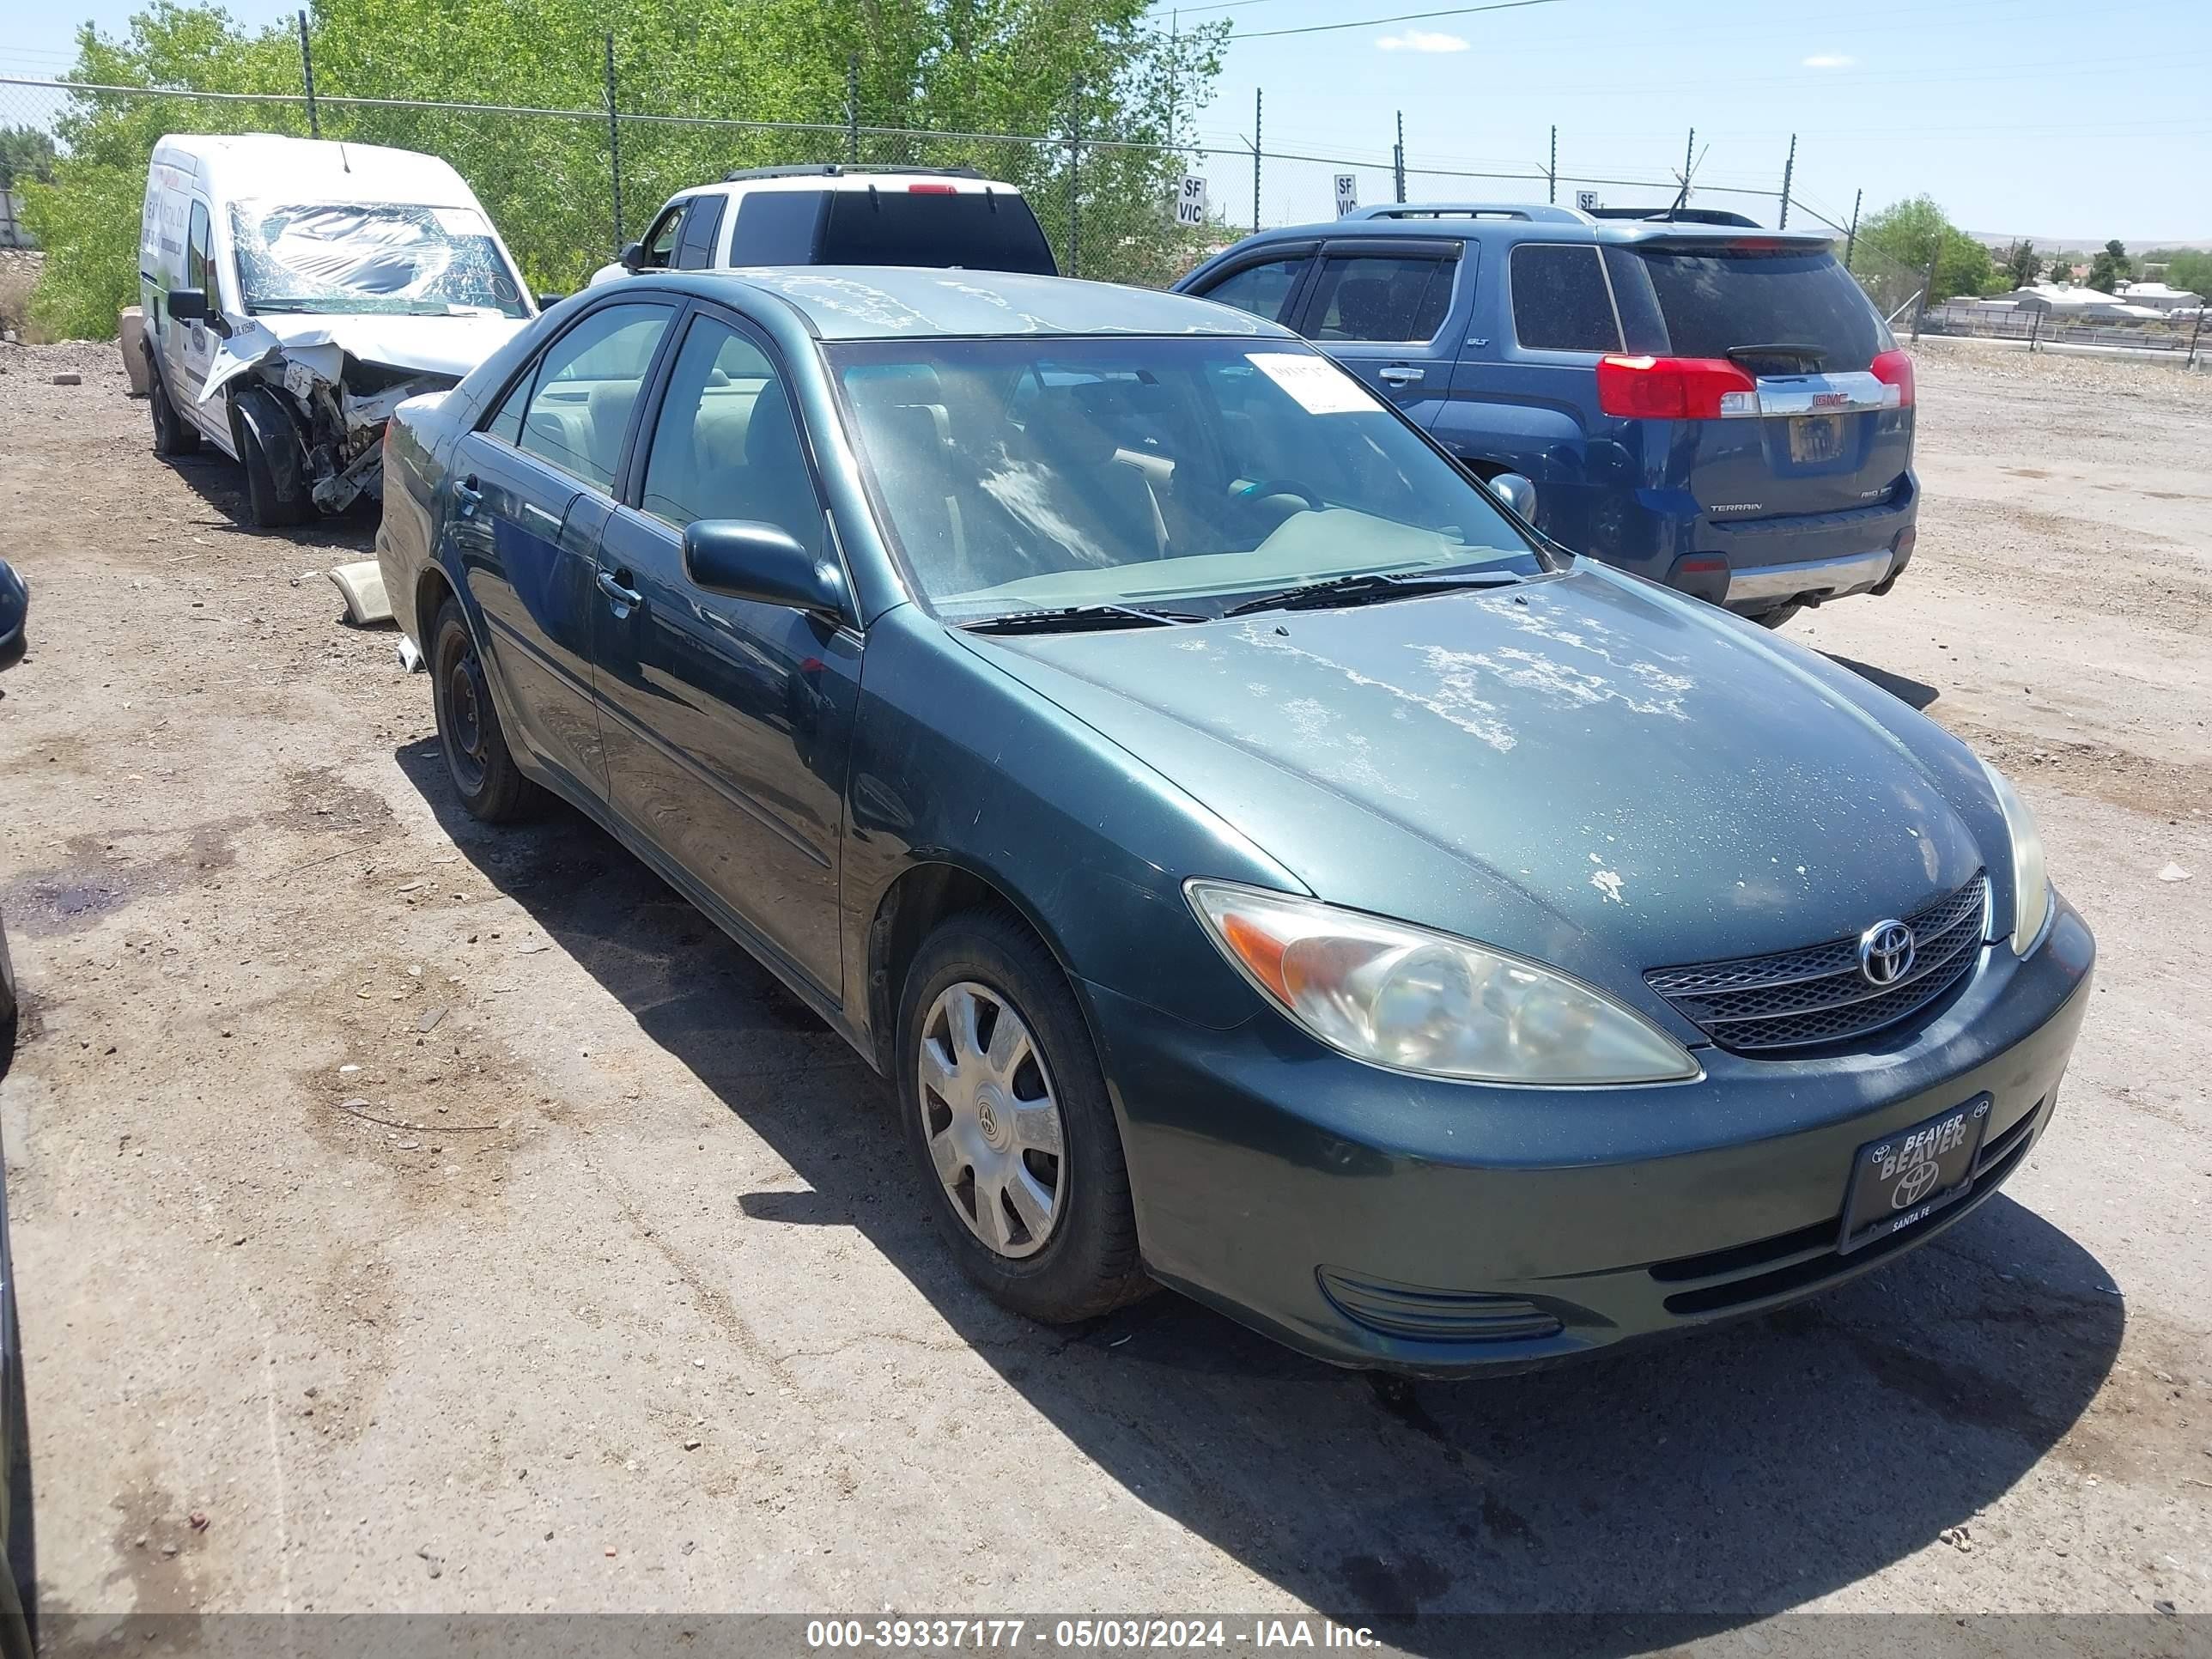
[
  {"x": 1030, "y": 473},
  {"x": 1727, "y": 299},
  {"x": 338, "y": 258}
]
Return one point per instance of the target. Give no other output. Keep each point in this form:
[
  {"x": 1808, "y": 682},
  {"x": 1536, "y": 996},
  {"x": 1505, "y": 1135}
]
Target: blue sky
[{"x": 2047, "y": 117}]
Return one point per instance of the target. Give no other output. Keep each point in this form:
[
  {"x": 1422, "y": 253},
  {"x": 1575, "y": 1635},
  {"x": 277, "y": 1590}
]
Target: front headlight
[
  {"x": 1405, "y": 997},
  {"x": 2031, "y": 879}
]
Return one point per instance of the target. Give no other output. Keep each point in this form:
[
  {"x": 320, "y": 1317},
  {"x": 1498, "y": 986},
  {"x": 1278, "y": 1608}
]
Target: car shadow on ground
[
  {"x": 1919, "y": 693},
  {"x": 219, "y": 482},
  {"x": 1716, "y": 1478}
]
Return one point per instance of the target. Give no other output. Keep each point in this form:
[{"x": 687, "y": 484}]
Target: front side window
[
  {"x": 661, "y": 240},
  {"x": 1018, "y": 474},
  {"x": 586, "y": 387},
  {"x": 1560, "y": 302},
  {"x": 339, "y": 258},
  {"x": 726, "y": 446},
  {"x": 197, "y": 265},
  {"x": 1262, "y": 290},
  {"x": 1377, "y": 297}
]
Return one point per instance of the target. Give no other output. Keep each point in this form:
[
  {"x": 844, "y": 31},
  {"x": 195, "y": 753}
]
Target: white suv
[{"x": 840, "y": 215}]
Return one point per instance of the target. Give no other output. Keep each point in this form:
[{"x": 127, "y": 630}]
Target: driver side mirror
[
  {"x": 1517, "y": 493},
  {"x": 744, "y": 559},
  {"x": 631, "y": 256},
  {"x": 189, "y": 304}
]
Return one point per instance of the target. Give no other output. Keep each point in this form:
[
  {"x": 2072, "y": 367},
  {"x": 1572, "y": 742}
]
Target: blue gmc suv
[{"x": 1706, "y": 403}]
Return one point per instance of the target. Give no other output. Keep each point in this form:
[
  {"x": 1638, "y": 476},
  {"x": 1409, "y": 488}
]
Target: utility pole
[
  {"x": 1256, "y": 103},
  {"x": 1400, "y": 154},
  {"x": 1075, "y": 179},
  {"x": 853, "y": 110},
  {"x": 2190, "y": 362},
  {"x": 1789, "y": 167},
  {"x": 1552, "y": 173},
  {"x": 1689, "y": 150},
  {"x": 307, "y": 73},
  {"x": 1851, "y": 241},
  {"x": 614, "y": 142},
  {"x": 1926, "y": 286}
]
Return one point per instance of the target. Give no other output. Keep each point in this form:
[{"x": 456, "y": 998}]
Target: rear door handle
[
  {"x": 611, "y": 584},
  {"x": 1401, "y": 374}
]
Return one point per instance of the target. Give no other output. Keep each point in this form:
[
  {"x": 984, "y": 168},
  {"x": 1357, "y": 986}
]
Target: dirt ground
[{"x": 458, "y": 1223}]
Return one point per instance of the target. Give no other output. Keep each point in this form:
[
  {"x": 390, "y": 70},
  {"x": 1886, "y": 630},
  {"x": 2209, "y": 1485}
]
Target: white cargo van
[
  {"x": 295, "y": 290},
  {"x": 829, "y": 214}
]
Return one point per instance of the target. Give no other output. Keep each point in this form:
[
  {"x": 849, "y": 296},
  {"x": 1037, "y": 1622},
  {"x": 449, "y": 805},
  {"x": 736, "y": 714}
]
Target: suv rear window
[
  {"x": 1715, "y": 302},
  {"x": 889, "y": 227}
]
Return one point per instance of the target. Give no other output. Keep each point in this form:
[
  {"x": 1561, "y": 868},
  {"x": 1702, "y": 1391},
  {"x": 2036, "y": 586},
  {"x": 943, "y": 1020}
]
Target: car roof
[
  {"x": 1533, "y": 221},
  {"x": 904, "y": 302},
  {"x": 832, "y": 177},
  {"x": 270, "y": 165}
]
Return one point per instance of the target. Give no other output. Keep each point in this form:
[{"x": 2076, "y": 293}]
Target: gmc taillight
[
  {"x": 1674, "y": 388},
  {"x": 1894, "y": 367}
]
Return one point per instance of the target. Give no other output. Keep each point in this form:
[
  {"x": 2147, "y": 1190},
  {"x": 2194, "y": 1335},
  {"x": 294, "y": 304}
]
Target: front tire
[
  {"x": 490, "y": 785},
  {"x": 1008, "y": 1119},
  {"x": 172, "y": 435},
  {"x": 267, "y": 507}
]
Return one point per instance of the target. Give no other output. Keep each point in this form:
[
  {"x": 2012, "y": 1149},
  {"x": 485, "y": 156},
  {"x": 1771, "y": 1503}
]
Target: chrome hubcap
[{"x": 991, "y": 1121}]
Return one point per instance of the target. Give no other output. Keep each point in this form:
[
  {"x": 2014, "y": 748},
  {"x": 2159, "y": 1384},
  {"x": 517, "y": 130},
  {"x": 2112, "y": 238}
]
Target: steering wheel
[{"x": 1268, "y": 487}]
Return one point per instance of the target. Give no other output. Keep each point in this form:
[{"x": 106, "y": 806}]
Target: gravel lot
[{"x": 617, "y": 1293}]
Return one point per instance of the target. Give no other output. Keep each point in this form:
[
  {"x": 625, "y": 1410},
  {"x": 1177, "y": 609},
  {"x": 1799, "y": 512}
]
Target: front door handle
[
  {"x": 612, "y": 584},
  {"x": 1401, "y": 374},
  {"x": 466, "y": 492}
]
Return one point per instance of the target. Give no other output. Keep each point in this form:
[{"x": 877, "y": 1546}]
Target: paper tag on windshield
[
  {"x": 458, "y": 222},
  {"x": 1319, "y": 386}
]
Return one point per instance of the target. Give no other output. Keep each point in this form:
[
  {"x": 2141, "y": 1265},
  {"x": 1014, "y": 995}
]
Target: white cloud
[
  {"x": 1421, "y": 40},
  {"x": 1829, "y": 60}
]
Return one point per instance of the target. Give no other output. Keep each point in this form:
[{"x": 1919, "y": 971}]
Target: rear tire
[
  {"x": 266, "y": 507},
  {"x": 172, "y": 435},
  {"x": 1776, "y": 618},
  {"x": 1062, "y": 1248},
  {"x": 490, "y": 785}
]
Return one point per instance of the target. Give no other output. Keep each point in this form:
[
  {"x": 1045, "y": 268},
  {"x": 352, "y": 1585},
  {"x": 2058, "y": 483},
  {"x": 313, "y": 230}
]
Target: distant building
[
  {"x": 2159, "y": 297},
  {"x": 2066, "y": 303}
]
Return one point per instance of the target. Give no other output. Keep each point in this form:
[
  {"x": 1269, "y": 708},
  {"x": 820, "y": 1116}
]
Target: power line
[{"x": 1402, "y": 17}]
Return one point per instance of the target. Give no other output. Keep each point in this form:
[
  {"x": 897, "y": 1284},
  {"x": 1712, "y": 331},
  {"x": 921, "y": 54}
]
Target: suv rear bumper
[{"x": 1831, "y": 579}]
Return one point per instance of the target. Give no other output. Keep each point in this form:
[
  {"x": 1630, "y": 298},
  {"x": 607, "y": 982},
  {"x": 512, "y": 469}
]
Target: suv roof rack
[
  {"x": 838, "y": 170},
  {"x": 1470, "y": 210},
  {"x": 1686, "y": 215}
]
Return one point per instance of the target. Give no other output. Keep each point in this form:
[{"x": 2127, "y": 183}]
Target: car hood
[
  {"x": 1581, "y": 767},
  {"x": 451, "y": 346}
]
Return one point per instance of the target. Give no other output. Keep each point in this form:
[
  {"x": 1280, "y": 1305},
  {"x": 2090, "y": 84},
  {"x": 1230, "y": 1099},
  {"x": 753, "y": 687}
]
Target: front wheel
[
  {"x": 490, "y": 785},
  {"x": 172, "y": 434},
  {"x": 1008, "y": 1118}
]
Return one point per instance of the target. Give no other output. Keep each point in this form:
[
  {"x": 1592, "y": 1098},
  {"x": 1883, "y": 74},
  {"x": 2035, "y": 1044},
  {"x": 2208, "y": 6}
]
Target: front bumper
[{"x": 1374, "y": 1220}]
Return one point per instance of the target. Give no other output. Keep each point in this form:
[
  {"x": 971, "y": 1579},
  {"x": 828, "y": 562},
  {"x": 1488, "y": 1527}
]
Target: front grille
[{"x": 1817, "y": 997}]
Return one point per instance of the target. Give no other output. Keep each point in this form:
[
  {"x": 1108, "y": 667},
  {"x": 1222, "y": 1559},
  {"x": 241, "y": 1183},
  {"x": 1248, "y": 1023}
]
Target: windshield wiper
[
  {"x": 1367, "y": 586},
  {"x": 1077, "y": 618}
]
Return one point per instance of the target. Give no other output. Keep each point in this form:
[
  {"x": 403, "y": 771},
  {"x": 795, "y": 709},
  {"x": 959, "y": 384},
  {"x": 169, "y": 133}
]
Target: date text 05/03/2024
[{"x": 1082, "y": 1635}]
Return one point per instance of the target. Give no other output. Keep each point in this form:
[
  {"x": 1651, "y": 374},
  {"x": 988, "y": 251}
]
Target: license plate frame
[
  {"x": 1806, "y": 449},
  {"x": 1887, "y": 1190}
]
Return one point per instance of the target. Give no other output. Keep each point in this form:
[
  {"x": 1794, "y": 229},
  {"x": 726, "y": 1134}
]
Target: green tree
[
  {"x": 953, "y": 67},
  {"x": 27, "y": 156},
  {"x": 2023, "y": 263},
  {"x": 2111, "y": 267},
  {"x": 2191, "y": 269},
  {"x": 1912, "y": 232}
]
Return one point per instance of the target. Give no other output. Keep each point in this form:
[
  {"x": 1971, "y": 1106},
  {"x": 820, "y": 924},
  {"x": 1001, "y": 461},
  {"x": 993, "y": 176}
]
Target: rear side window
[
  {"x": 1561, "y": 301},
  {"x": 1381, "y": 297},
  {"x": 696, "y": 251},
  {"x": 1719, "y": 302},
  {"x": 1262, "y": 290},
  {"x": 777, "y": 226},
  {"x": 587, "y": 387},
  {"x": 980, "y": 230}
]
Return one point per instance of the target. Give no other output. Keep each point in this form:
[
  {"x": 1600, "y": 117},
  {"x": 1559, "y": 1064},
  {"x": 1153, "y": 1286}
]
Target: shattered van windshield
[{"x": 383, "y": 258}]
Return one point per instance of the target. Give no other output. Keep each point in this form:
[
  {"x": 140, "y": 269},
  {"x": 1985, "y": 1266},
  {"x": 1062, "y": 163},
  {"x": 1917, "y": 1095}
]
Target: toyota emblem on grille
[{"x": 1886, "y": 953}]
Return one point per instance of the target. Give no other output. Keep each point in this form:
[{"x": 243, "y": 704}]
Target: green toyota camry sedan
[{"x": 1264, "y": 865}]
